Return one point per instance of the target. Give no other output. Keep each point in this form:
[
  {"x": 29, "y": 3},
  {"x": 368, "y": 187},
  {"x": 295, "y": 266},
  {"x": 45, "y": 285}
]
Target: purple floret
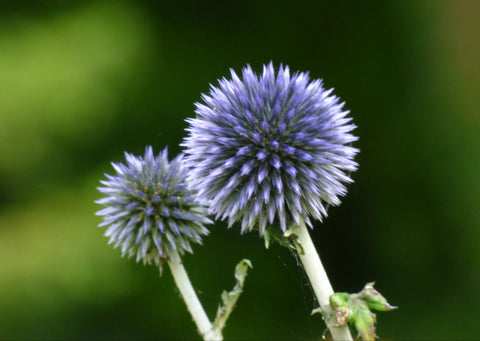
[
  {"x": 149, "y": 208},
  {"x": 271, "y": 149}
]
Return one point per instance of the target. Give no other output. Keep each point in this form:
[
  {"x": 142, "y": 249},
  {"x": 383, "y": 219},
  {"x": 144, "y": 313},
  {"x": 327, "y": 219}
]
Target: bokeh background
[{"x": 83, "y": 81}]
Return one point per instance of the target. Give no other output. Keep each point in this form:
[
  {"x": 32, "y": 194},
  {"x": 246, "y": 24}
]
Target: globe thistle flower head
[
  {"x": 150, "y": 211},
  {"x": 271, "y": 149}
]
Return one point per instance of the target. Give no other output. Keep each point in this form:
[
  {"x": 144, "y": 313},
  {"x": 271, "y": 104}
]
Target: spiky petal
[
  {"x": 270, "y": 149},
  {"x": 149, "y": 209}
]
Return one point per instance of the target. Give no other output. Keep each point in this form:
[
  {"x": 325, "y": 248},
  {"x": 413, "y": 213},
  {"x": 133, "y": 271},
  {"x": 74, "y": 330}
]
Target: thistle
[
  {"x": 153, "y": 215},
  {"x": 274, "y": 151},
  {"x": 270, "y": 149},
  {"x": 149, "y": 209}
]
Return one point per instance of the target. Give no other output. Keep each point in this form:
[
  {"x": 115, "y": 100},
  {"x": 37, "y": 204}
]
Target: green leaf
[
  {"x": 229, "y": 299},
  {"x": 357, "y": 309}
]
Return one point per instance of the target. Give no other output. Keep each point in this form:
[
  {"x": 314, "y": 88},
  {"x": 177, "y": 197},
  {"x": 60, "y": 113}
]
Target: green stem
[
  {"x": 194, "y": 306},
  {"x": 318, "y": 279}
]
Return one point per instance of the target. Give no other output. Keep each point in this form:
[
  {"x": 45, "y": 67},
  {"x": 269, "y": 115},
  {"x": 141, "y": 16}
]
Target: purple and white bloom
[
  {"x": 270, "y": 149},
  {"x": 150, "y": 210}
]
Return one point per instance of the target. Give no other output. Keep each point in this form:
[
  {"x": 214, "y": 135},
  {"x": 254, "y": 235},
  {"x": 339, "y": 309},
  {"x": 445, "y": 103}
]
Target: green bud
[
  {"x": 339, "y": 299},
  {"x": 356, "y": 309},
  {"x": 374, "y": 299}
]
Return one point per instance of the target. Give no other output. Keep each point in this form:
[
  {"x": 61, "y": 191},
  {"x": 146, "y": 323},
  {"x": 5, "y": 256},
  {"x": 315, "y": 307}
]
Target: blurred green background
[{"x": 83, "y": 81}]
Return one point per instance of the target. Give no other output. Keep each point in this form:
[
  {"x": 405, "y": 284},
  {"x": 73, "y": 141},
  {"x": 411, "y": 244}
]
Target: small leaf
[
  {"x": 364, "y": 320},
  {"x": 241, "y": 271},
  {"x": 229, "y": 299},
  {"x": 356, "y": 309},
  {"x": 374, "y": 299}
]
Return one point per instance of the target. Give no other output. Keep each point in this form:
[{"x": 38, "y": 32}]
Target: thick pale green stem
[
  {"x": 191, "y": 300},
  {"x": 318, "y": 279}
]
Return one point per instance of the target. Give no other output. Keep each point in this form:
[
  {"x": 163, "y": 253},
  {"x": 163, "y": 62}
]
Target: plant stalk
[
  {"x": 318, "y": 279},
  {"x": 190, "y": 298}
]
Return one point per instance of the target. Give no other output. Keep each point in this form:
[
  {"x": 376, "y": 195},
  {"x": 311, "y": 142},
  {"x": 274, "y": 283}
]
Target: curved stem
[
  {"x": 318, "y": 279},
  {"x": 194, "y": 306}
]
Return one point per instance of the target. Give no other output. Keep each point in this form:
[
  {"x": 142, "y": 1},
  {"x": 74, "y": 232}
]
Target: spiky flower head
[
  {"x": 270, "y": 149},
  {"x": 150, "y": 211}
]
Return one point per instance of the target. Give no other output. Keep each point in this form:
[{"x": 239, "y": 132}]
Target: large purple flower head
[
  {"x": 150, "y": 211},
  {"x": 270, "y": 149}
]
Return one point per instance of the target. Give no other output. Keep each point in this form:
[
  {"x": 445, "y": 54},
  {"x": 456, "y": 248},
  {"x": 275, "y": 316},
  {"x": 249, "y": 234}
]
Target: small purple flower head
[
  {"x": 270, "y": 149},
  {"x": 150, "y": 211}
]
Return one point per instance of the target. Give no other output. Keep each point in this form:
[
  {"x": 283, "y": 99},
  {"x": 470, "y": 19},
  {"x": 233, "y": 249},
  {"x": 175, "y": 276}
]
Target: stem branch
[{"x": 318, "y": 279}]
